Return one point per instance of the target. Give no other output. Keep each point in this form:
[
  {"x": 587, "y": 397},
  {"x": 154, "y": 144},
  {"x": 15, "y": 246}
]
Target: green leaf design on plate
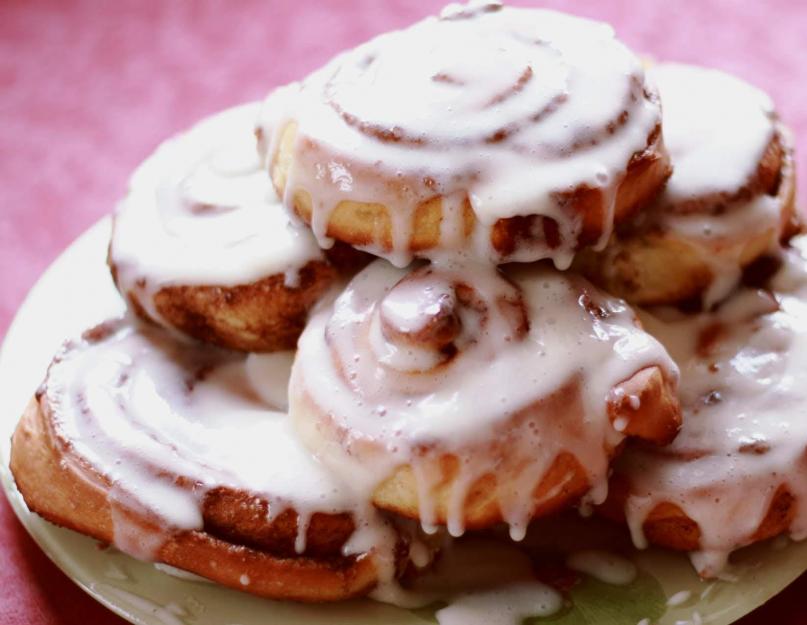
[
  {"x": 592, "y": 602},
  {"x": 596, "y": 603}
]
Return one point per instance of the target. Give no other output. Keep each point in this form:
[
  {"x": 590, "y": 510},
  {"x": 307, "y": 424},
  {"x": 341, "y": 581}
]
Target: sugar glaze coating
[
  {"x": 201, "y": 211},
  {"x": 730, "y": 199},
  {"x": 503, "y": 372},
  {"x": 717, "y": 130},
  {"x": 744, "y": 437},
  {"x": 489, "y": 110},
  {"x": 166, "y": 423}
]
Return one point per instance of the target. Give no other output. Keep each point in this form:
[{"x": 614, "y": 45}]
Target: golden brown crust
[
  {"x": 765, "y": 179},
  {"x": 371, "y": 224},
  {"x": 649, "y": 265},
  {"x": 238, "y": 543},
  {"x": 563, "y": 484},
  {"x": 648, "y": 405},
  {"x": 667, "y": 525},
  {"x": 656, "y": 418},
  {"x": 262, "y": 316}
]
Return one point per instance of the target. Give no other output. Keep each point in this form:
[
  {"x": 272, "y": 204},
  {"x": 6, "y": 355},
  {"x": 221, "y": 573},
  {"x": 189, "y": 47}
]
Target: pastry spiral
[
  {"x": 500, "y": 133},
  {"x": 167, "y": 451},
  {"x": 202, "y": 245},
  {"x": 465, "y": 396},
  {"x": 730, "y": 199},
  {"x": 737, "y": 472}
]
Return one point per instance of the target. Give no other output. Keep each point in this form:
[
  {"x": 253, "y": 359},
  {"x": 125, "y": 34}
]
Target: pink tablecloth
[{"x": 87, "y": 89}]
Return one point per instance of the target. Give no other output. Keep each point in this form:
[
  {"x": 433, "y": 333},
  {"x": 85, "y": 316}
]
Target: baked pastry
[
  {"x": 463, "y": 388},
  {"x": 464, "y": 396},
  {"x": 730, "y": 200},
  {"x": 737, "y": 472},
  {"x": 501, "y": 133},
  {"x": 165, "y": 450},
  {"x": 202, "y": 245}
]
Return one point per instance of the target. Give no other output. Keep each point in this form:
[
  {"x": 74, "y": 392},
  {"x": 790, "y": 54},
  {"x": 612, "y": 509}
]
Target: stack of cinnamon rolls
[{"x": 473, "y": 273}]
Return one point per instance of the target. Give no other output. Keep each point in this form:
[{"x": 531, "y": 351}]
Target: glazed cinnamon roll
[
  {"x": 464, "y": 396},
  {"x": 730, "y": 200},
  {"x": 202, "y": 245},
  {"x": 501, "y": 133},
  {"x": 177, "y": 453},
  {"x": 737, "y": 472}
]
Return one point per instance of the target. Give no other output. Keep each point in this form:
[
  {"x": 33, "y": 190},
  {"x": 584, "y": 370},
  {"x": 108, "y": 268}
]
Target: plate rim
[{"x": 34, "y": 526}]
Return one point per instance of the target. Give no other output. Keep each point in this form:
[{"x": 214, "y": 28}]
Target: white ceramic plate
[{"x": 77, "y": 292}]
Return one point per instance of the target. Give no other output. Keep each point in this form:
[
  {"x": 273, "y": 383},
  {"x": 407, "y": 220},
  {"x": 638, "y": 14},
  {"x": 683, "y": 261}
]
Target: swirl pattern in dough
[{"x": 500, "y": 133}]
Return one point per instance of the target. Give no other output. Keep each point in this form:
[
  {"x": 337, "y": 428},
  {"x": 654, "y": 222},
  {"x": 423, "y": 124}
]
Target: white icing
[
  {"x": 489, "y": 103},
  {"x": 419, "y": 554},
  {"x": 141, "y": 409},
  {"x": 603, "y": 566},
  {"x": 679, "y": 598},
  {"x": 133, "y": 401},
  {"x": 518, "y": 339},
  {"x": 506, "y": 605},
  {"x": 744, "y": 434},
  {"x": 716, "y": 129},
  {"x": 721, "y": 238},
  {"x": 202, "y": 211},
  {"x": 484, "y": 581},
  {"x": 274, "y": 367}
]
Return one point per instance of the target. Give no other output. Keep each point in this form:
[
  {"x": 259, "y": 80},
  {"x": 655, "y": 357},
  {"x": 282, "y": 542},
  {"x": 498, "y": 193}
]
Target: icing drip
[
  {"x": 679, "y": 598},
  {"x": 717, "y": 235},
  {"x": 743, "y": 393},
  {"x": 507, "y": 605},
  {"x": 483, "y": 581},
  {"x": 454, "y": 357},
  {"x": 142, "y": 409},
  {"x": 716, "y": 129},
  {"x": 504, "y": 372},
  {"x": 603, "y": 566},
  {"x": 201, "y": 211},
  {"x": 503, "y": 118}
]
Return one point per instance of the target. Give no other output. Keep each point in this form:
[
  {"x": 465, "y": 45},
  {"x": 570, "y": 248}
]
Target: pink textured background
[{"x": 87, "y": 89}]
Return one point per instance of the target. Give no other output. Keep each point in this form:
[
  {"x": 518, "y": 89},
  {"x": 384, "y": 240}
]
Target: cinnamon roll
[
  {"x": 737, "y": 472},
  {"x": 501, "y": 133},
  {"x": 170, "y": 452},
  {"x": 465, "y": 396},
  {"x": 202, "y": 245},
  {"x": 730, "y": 200}
]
